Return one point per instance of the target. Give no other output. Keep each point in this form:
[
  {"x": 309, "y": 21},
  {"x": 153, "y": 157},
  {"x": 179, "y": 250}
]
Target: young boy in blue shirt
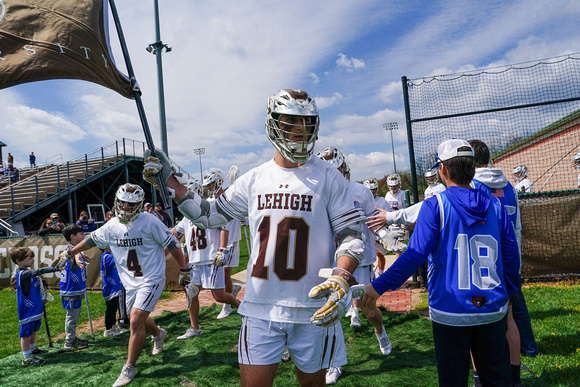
[
  {"x": 112, "y": 288},
  {"x": 473, "y": 269},
  {"x": 30, "y": 303},
  {"x": 73, "y": 286}
]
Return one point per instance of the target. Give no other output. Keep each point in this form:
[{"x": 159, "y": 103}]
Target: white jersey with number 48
[
  {"x": 138, "y": 248},
  {"x": 201, "y": 244},
  {"x": 294, "y": 215}
]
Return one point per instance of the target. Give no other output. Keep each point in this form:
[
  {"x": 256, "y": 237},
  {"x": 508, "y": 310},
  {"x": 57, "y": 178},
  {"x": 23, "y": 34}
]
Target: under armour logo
[{"x": 283, "y": 186}]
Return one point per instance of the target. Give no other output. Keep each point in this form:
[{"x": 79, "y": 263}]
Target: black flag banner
[{"x": 56, "y": 39}]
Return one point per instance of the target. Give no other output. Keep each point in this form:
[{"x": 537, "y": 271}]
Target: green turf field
[{"x": 211, "y": 359}]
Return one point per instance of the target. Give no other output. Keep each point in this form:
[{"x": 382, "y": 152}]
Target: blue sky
[{"x": 229, "y": 56}]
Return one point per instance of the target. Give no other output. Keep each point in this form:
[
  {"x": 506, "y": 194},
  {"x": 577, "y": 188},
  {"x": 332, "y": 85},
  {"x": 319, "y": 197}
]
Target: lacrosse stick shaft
[
  {"x": 247, "y": 241},
  {"x": 137, "y": 94},
  {"x": 89, "y": 309},
  {"x": 47, "y": 329}
]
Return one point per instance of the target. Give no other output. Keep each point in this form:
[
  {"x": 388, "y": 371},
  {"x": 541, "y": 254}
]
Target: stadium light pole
[
  {"x": 390, "y": 126},
  {"x": 200, "y": 151},
  {"x": 157, "y": 49}
]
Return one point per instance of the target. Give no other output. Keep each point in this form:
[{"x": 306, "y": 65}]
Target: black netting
[{"x": 527, "y": 114}]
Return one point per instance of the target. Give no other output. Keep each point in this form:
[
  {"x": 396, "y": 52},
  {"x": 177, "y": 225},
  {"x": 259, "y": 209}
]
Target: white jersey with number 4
[
  {"x": 138, "y": 248},
  {"x": 201, "y": 244},
  {"x": 294, "y": 215}
]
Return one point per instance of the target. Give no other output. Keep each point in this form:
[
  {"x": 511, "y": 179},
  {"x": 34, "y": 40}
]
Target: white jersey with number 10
[{"x": 294, "y": 215}]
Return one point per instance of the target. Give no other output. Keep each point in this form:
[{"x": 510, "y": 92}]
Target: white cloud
[
  {"x": 349, "y": 64},
  {"x": 324, "y": 102},
  {"x": 315, "y": 78}
]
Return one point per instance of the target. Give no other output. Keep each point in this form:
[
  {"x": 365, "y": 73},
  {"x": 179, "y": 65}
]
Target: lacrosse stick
[
  {"x": 88, "y": 309},
  {"x": 45, "y": 295}
]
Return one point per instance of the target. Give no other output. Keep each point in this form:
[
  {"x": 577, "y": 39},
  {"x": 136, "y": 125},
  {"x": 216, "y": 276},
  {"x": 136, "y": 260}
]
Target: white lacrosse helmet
[
  {"x": 372, "y": 184},
  {"x": 194, "y": 186},
  {"x": 336, "y": 158},
  {"x": 214, "y": 177},
  {"x": 129, "y": 200},
  {"x": 576, "y": 160},
  {"x": 292, "y": 124},
  {"x": 520, "y": 172},
  {"x": 431, "y": 176},
  {"x": 394, "y": 183}
]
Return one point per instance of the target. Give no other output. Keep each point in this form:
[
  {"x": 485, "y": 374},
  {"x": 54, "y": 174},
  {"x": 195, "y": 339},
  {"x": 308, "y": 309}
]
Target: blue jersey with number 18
[{"x": 474, "y": 262}]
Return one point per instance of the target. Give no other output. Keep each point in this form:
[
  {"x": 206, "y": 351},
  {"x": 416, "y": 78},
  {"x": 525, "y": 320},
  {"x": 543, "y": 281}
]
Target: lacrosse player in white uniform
[
  {"x": 380, "y": 202},
  {"x": 364, "y": 275},
  {"x": 523, "y": 185},
  {"x": 396, "y": 198},
  {"x": 296, "y": 205},
  {"x": 228, "y": 242},
  {"x": 137, "y": 241},
  {"x": 435, "y": 186},
  {"x": 202, "y": 246}
]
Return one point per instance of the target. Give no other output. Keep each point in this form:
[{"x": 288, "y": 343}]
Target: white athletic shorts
[
  {"x": 234, "y": 255},
  {"x": 312, "y": 347},
  {"x": 208, "y": 276},
  {"x": 144, "y": 298},
  {"x": 363, "y": 274}
]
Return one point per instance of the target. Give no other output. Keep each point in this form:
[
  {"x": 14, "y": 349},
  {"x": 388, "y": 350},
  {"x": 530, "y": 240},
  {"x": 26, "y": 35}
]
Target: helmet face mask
[
  {"x": 292, "y": 124},
  {"x": 520, "y": 172},
  {"x": 129, "y": 200},
  {"x": 336, "y": 158},
  {"x": 394, "y": 183},
  {"x": 431, "y": 176},
  {"x": 212, "y": 182}
]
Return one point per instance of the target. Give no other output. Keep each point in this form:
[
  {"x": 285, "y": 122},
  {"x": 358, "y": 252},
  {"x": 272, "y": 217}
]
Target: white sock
[{"x": 27, "y": 354}]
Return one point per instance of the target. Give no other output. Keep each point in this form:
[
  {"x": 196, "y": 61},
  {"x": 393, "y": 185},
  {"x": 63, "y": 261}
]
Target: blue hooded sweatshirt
[{"x": 473, "y": 257}]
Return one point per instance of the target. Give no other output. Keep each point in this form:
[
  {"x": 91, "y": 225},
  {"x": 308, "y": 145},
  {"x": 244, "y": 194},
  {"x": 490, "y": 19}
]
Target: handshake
[{"x": 61, "y": 260}]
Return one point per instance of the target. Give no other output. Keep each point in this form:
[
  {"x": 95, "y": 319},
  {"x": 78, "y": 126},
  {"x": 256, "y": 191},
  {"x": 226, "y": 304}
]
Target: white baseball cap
[{"x": 450, "y": 148}]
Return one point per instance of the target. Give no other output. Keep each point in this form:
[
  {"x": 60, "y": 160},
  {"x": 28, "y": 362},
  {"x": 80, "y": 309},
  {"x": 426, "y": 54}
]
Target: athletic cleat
[
  {"x": 354, "y": 322},
  {"x": 332, "y": 375},
  {"x": 191, "y": 332},
  {"x": 38, "y": 351},
  {"x": 158, "y": 341},
  {"x": 35, "y": 361},
  {"x": 127, "y": 375},
  {"x": 226, "y": 311},
  {"x": 384, "y": 343},
  {"x": 286, "y": 356},
  {"x": 78, "y": 343},
  {"x": 114, "y": 331}
]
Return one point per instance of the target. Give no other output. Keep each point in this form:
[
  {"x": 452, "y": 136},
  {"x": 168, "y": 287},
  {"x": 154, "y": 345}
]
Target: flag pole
[{"x": 138, "y": 101}]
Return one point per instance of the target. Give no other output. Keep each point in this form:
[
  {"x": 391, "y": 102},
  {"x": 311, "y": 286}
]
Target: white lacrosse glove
[
  {"x": 336, "y": 290},
  {"x": 62, "y": 259},
  {"x": 184, "y": 276},
  {"x": 222, "y": 257},
  {"x": 156, "y": 166},
  {"x": 390, "y": 239}
]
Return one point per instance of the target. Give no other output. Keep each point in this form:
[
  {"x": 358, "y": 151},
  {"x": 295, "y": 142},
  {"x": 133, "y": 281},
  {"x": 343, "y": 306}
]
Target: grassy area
[{"x": 211, "y": 359}]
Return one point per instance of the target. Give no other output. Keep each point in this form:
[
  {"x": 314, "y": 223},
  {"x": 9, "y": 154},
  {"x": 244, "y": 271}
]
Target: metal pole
[
  {"x": 390, "y": 127},
  {"x": 200, "y": 151},
  {"x": 157, "y": 49},
  {"x": 137, "y": 94}
]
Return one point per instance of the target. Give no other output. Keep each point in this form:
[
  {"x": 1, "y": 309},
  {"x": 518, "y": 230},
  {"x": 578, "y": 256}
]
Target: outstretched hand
[
  {"x": 369, "y": 299},
  {"x": 376, "y": 222}
]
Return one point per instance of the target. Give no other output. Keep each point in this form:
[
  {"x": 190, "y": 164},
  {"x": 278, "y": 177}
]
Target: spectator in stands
[
  {"x": 14, "y": 175},
  {"x": 51, "y": 225},
  {"x": 165, "y": 218},
  {"x": 10, "y": 161},
  {"x": 32, "y": 159},
  {"x": 109, "y": 216},
  {"x": 88, "y": 224}
]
